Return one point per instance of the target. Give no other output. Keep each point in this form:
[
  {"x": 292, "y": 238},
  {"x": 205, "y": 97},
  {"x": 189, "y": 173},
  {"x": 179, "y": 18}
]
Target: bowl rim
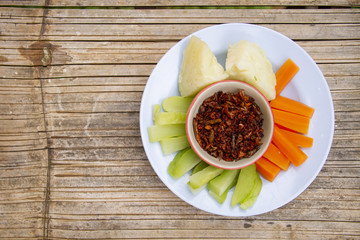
[{"x": 188, "y": 119}]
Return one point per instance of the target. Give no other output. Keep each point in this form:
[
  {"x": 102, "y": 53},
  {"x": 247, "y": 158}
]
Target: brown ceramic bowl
[{"x": 231, "y": 86}]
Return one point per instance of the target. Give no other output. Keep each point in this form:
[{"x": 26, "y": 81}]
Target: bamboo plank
[
  {"x": 92, "y": 97},
  {"x": 15, "y": 13},
  {"x": 337, "y": 82},
  {"x": 97, "y": 81},
  {"x": 60, "y": 122},
  {"x": 26, "y": 30},
  {"x": 224, "y": 224},
  {"x": 114, "y": 208},
  {"x": 188, "y": 211},
  {"x": 139, "y": 70},
  {"x": 72, "y": 164},
  {"x": 201, "y": 16},
  {"x": 26, "y": 176},
  {"x": 173, "y": 3},
  {"x": 151, "y": 52},
  {"x": 125, "y": 106},
  {"x": 110, "y": 142},
  {"x": 167, "y": 32},
  {"x": 115, "y": 141},
  {"x": 23, "y": 2},
  {"x": 34, "y": 16},
  {"x": 27, "y": 110},
  {"x": 23, "y": 143},
  {"x": 339, "y": 157},
  {"x": 22, "y": 232},
  {"x": 142, "y": 169},
  {"x": 156, "y": 194},
  {"x": 96, "y": 133},
  {"x": 124, "y": 234},
  {"x": 202, "y": 3},
  {"x": 100, "y": 155},
  {"x": 107, "y": 32}
]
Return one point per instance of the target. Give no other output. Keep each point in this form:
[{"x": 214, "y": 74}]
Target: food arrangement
[{"x": 292, "y": 120}]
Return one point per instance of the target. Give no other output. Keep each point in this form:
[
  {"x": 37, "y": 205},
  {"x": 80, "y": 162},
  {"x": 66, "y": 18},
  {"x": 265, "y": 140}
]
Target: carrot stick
[
  {"x": 284, "y": 75},
  {"x": 291, "y": 151},
  {"x": 274, "y": 155},
  {"x": 298, "y": 139},
  {"x": 291, "y": 121},
  {"x": 290, "y": 105},
  {"x": 267, "y": 169}
]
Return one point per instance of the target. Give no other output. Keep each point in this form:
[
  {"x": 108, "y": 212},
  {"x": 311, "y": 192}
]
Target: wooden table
[{"x": 72, "y": 164}]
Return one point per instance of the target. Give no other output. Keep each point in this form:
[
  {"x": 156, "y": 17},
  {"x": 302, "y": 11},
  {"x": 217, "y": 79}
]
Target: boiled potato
[
  {"x": 199, "y": 68},
  {"x": 247, "y": 62}
]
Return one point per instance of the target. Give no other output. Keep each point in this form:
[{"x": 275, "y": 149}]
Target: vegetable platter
[{"x": 308, "y": 86}]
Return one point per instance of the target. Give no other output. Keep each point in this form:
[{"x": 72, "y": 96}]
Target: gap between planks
[{"x": 46, "y": 218}]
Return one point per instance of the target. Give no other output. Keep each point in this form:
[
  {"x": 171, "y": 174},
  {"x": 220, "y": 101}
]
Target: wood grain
[
  {"x": 23, "y": 158},
  {"x": 193, "y": 16},
  {"x": 72, "y": 164},
  {"x": 183, "y": 3},
  {"x": 78, "y": 52}
]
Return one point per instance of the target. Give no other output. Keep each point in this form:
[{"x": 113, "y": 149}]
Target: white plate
[{"x": 308, "y": 86}]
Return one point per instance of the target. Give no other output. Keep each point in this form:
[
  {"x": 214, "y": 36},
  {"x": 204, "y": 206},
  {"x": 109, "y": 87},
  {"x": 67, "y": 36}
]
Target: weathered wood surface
[
  {"x": 72, "y": 163},
  {"x": 179, "y": 3}
]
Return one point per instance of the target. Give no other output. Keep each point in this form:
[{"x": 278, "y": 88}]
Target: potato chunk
[
  {"x": 199, "y": 68},
  {"x": 247, "y": 62}
]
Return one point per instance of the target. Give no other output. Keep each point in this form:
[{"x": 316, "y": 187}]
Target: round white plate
[{"x": 308, "y": 86}]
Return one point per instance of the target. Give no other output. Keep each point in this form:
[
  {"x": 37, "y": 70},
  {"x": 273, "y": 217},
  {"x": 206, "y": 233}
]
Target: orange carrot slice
[
  {"x": 267, "y": 169},
  {"x": 284, "y": 75},
  {"x": 274, "y": 155},
  {"x": 291, "y": 121},
  {"x": 291, "y": 151},
  {"x": 298, "y": 139},
  {"x": 290, "y": 105}
]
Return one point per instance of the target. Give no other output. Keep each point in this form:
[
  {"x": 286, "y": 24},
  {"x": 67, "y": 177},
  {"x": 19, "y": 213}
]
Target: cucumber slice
[
  {"x": 174, "y": 144},
  {"x": 159, "y": 132},
  {"x": 174, "y": 162},
  {"x": 251, "y": 199},
  {"x": 200, "y": 166},
  {"x": 177, "y": 104},
  {"x": 204, "y": 176},
  {"x": 245, "y": 184},
  {"x": 196, "y": 190},
  {"x": 184, "y": 163},
  {"x": 164, "y": 118},
  {"x": 221, "y": 198},
  {"x": 219, "y": 184},
  {"x": 156, "y": 109}
]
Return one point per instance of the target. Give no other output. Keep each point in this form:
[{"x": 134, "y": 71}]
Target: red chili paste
[{"x": 229, "y": 126}]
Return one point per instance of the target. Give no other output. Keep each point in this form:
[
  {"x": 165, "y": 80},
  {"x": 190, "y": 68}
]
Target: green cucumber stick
[
  {"x": 164, "y": 118},
  {"x": 219, "y": 184},
  {"x": 245, "y": 184},
  {"x": 184, "y": 163},
  {"x": 159, "y": 132},
  {"x": 177, "y": 104},
  {"x": 204, "y": 176},
  {"x": 221, "y": 198},
  {"x": 156, "y": 109},
  {"x": 173, "y": 163},
  {"x": 174, "y": 144},
  {"x": 251, "y": 199},
  {"x": 200, "y": 166}
]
